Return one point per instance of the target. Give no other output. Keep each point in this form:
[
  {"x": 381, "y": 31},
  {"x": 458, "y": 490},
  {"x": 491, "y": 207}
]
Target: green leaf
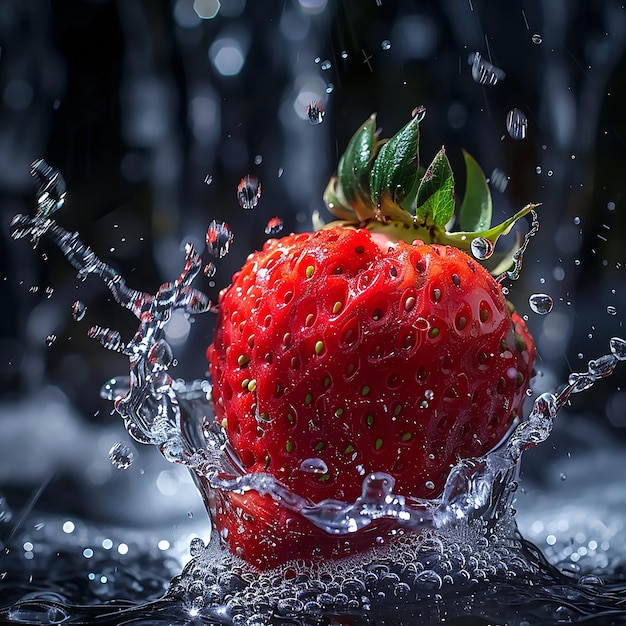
[
  {"x": 354, "y": 162},
  {"x": 435, "y": 194},
  {"x": 475, "y": 212},
  {"x": 395, "y": 168}
]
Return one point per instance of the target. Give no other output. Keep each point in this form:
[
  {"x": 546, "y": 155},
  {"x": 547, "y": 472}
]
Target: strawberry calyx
[{"x": 381, "y": 186}]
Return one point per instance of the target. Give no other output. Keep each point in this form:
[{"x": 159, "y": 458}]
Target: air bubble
[
  {"x": 78, "y": 310},
  {"x": 121, "y": 456},
  {"x": 219, "y": 238},
  {"x": 386, "y": 44},
  {"x": 274, "y": 226},
  {"x": 249, "y": 192},
  {"x": 516, "y": 124},
  {"x": 541, "y": 303},
  {"x": 481, "y": 248},
  {"x": 315, "y": 113},
  {"x": 483, "y": 72}
]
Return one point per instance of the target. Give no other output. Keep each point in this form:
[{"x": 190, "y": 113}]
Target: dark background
[{"x": 129, "y": 100}]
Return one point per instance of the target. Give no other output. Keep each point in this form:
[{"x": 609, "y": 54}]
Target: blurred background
[{"x": 153, "y": 110}]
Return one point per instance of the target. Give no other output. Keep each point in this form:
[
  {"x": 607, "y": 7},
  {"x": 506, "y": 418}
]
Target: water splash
[
  {"x": 466, "y": 534},
  {"x": 518, "y": 256}
]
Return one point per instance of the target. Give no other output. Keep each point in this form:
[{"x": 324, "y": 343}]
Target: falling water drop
[
  {"x": 516, "y": 124},
  {"x": 78, "y": 310},
  {"x": 249, "y": 191},
  {"x": 541, "y": 303},
  {"x": 536, "y": 38},
  {"x": 208, "y": 179},
  {"x": 386, "y": 44},
  {"x": 121, "y": 456},
  {"x": 314, "y": 466},
  {"x": 315, "y": 112},
  {"x": 611, "y": 310},
  {"x": 344, "y": 54},
  {"x": 483, "y": 72},
  {"x": 499, "y": 180},
  {"x": 219, "y": 238},
  {"x": 274, "y": 226},
  {"x": 481, "y": 248},
  {"x": 50, "y": 339}
]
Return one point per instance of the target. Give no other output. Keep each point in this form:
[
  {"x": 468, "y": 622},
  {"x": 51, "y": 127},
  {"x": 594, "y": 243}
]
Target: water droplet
[
  {"x": 249, "y": 191},
  {"x": 499, "y": 180},
  {"x": 577, "y": 221},
  {"x": 315, "y": 112},
  {"x": 50, "y": 339},
  {"x": 49, "y": 292},
  {"x": 219, "y": 238},
  {"x": 196, "y": 546},
  {"x": 274, "y": 226},
  {"x": 429, "y": 394},
  {"x": 516, "y": 124},
  {"x": 610, "y": 206},
  {"x": 481, "y": 248},
  {"x": 538, "y": 170},
  {"x": 483, "y": 72},
  {"x": 536, "y": 38},
  {"x": 611, "y": 310},
  {"x": 317, "y": 60},
  {"x": 429, "y": 484},
  {"x": 210, "y": 269},
  {"x": 541, "y": 303},
  {"x": 78, "y": 310},
  {"x": 121, "y": 456},
  {"x": 386, "y": 44},
  {"x": 330, "y": 88},
  {"x": 314, "y": 466},
  {"x": 326, "y": 65},
  {"x": 208, "y": 179},
  {"x": 344, "y": 54},
  {"x": 563, "y": 476}
]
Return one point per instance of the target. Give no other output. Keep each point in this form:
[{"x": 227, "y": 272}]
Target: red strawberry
[{"x": 361, "y": 349}]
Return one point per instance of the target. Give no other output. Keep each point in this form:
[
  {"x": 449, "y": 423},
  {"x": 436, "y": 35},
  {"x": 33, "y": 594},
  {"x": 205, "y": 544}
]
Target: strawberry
[{"x": 376, "y": 344}]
